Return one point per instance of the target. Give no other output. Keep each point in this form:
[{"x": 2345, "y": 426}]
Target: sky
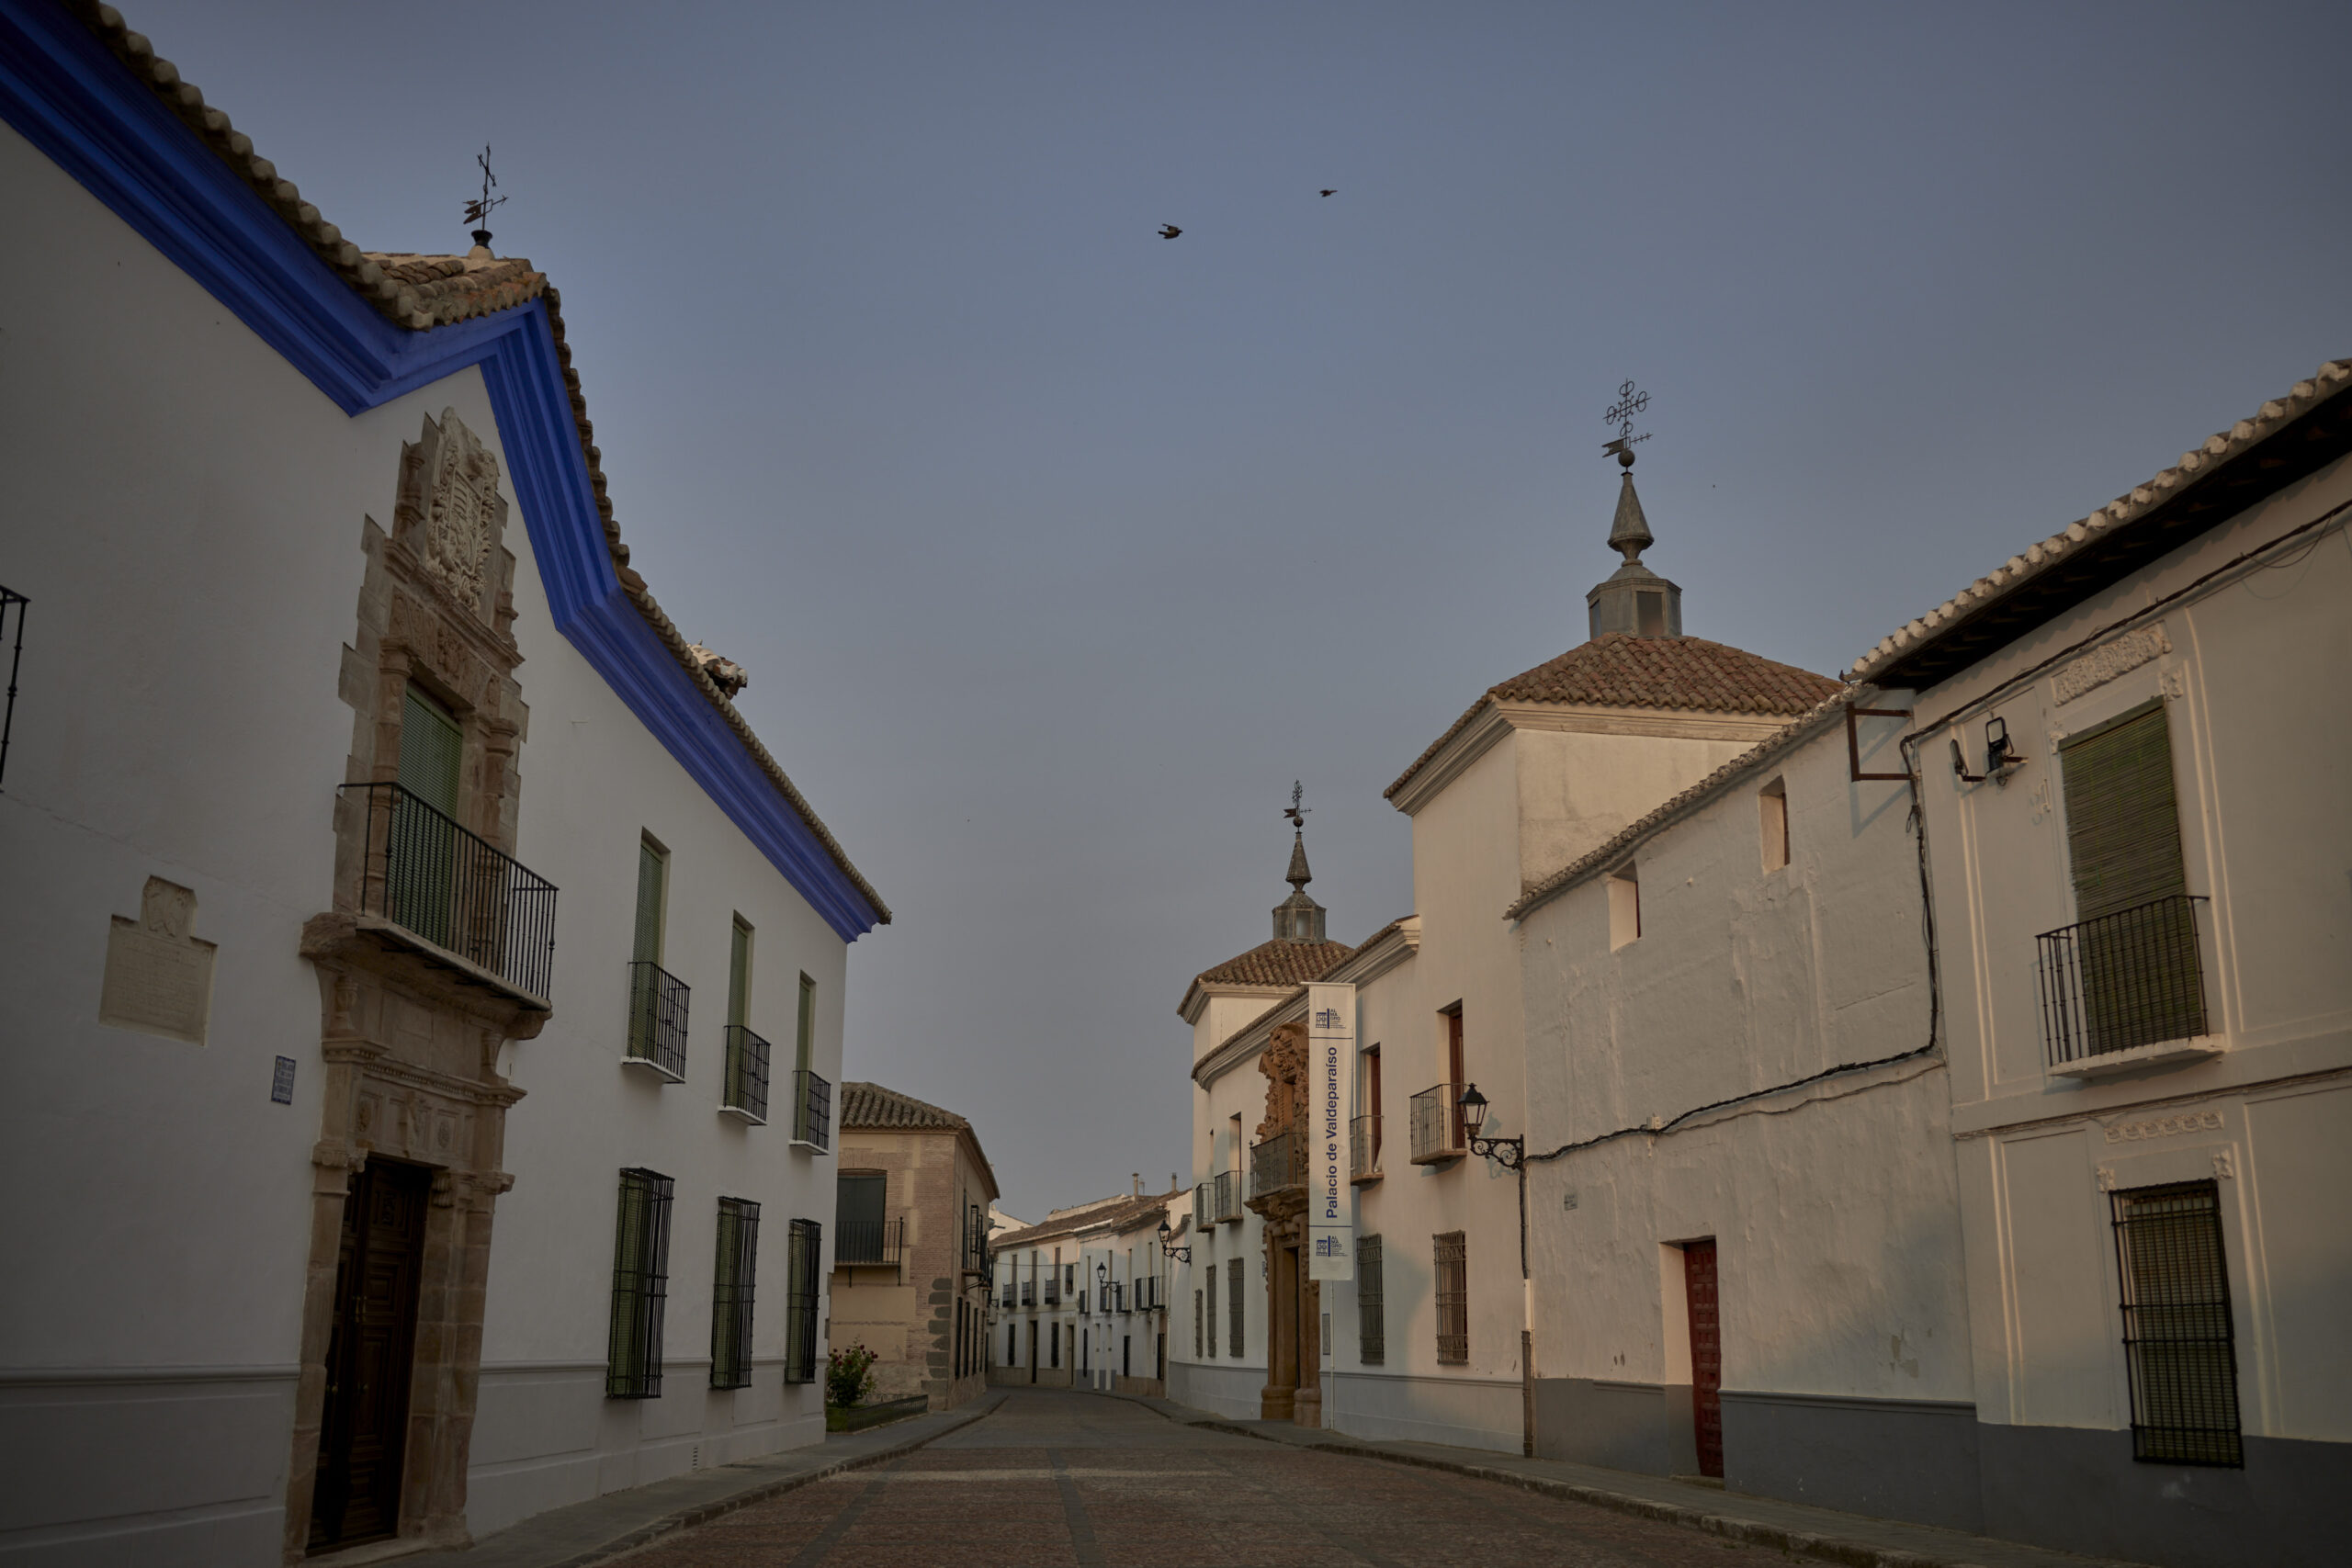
[{"x": 1055, "y": 551}]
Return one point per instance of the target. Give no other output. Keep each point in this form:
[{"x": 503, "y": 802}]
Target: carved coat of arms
[{"x": 461, "y": 507}]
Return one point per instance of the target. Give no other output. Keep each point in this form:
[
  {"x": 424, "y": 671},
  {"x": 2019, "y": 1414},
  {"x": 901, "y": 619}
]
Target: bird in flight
[
  {"x": 1327, "y": 193},
  {"x": 1169, "y": 231}
]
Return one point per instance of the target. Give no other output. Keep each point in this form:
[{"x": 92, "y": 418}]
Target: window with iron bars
[
  {"x": 731, "y": 1293},
  {"x": 1452, "y": 1297},
  {"x": 2178, "y": 1336},
  {"x": 1372, "y": 1326},
  {"x": 641, "y": 1287},
  {"x": 1211, "y": 1314},
  {"x": 806, "y": 1250},
  {"x": 1197, "y": 1317},
  {"x": 1233, "y": 1300}
]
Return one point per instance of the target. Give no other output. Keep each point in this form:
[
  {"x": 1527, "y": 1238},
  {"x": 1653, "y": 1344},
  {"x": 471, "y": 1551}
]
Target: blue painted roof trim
[{"x": 63, "y": 91}]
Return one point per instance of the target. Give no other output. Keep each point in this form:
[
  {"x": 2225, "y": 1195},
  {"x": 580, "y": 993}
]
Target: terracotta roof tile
[
  {"x": 871, "y": 1105},
  {"x": 1116, "y": 1214},
  {"x": 421, "y": 292},
  {"x": 1617, "y": 669},
  {"x": 2048, "y": 555},
  {"x": 1277, "y": 962}
]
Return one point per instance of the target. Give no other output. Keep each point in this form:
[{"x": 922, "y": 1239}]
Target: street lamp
[
  {"x": 1166, "y": 1246},
  {"x": 1505, "y": 1152}
]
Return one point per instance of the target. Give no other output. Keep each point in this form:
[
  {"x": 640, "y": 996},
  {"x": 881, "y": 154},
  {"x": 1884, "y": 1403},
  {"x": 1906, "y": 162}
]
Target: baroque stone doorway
[{"x": 1293, "y": 1388}]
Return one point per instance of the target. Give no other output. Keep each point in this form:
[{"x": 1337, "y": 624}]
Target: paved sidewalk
[
  {"x": 605, "y": 1527},
  {"x": 1853, "y": 1538}
]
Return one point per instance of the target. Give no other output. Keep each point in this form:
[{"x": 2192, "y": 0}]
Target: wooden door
[
  {"x": 370, "y": 1358},
  {"x": 1706, "y": 1354},
  {"x": 1456, "y": 1078}
]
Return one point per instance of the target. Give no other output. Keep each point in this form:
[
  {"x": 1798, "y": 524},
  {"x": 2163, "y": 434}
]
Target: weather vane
[
  {"x": 1297, "y": 813},
  {"x": 1621, "y": 414},
  {"x": 477, "y": 210}
]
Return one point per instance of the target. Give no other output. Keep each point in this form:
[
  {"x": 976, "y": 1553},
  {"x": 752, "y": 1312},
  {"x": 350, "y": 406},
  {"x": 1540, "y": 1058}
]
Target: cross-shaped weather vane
[
  {"x": 1295, "y": 811},
  {"x": 1621, "y": 414},
  {"x": 477, "y": 210}
]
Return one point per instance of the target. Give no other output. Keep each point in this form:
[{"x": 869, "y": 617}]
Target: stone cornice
[{"x": 1497, "y": 719}]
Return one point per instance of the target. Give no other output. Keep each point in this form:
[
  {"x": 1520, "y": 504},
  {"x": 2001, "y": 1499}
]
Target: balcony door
[
  {"x": 859, "y": 1203},
  {"x": 423, "y": 852},
  {"x": 2136, "y": 934}
]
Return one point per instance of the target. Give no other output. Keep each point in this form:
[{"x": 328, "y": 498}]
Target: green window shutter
[
  {"x": 2122, "y": 822},
  {"x": 807, "y": 1039},
  {"x": 739, "y": 976},
  {"x": 431, "y": 749},
  {"x": 652, "y": 869}
]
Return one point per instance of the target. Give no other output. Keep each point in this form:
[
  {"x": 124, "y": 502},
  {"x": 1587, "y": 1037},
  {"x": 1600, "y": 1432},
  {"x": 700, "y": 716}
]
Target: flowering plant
[{"x": 849, "y": 1375}]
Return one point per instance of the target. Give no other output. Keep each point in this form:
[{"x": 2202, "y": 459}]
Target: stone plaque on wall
[{"x": 159, "y": 976}]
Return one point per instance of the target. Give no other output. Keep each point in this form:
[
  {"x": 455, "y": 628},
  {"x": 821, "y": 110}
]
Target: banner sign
[{"x": 1330, "y": 1095}]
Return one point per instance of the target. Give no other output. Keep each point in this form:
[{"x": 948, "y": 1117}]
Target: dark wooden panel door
[
  {"x": 1706, "y": 1354},
  {"x": 370, "y": 1357}
]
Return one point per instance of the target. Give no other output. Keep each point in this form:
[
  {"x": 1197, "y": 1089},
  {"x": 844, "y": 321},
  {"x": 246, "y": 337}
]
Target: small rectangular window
[
  {"x": 2178, "y": 1336},
  {"x": 1452, "y": 1298},
  {"x": 1772, "y": 822},
  {"x": 731, "y": 1293},
  {"x": 1233, "y": 1297},
  {"x": 1371, "y": 1328},
  {"x": 1625, "y": 906},
  {"x": 801, "y": 1284},
  {"x": 1197, "y": 1354},
  {"x": 641, "y": 1287}
]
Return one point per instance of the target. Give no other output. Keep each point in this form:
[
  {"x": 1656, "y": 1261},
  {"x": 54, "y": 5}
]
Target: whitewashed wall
[
  {"x": 1834, "y": 1207},
  {"x": 2254, "y": 685},
  {"x": 185, "y": 512}
]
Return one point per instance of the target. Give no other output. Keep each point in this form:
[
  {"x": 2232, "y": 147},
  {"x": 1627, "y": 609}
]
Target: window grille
[
  {"x": 731, "y": 1293},
  {"x": 1452, "y": 1297},
  {"x": 1197, "y": 1315},
  {"x": 2176, "y": 1331},
  {"x": 807, "y": 1250},
  {"x": 1372, "y": 1326},
  {"x": 1211, "y": 1312},
  {"x": 1233, "y": 1300},
  {"x": 641, "y": 1287},
  {"x": 656, "y": 1017}
]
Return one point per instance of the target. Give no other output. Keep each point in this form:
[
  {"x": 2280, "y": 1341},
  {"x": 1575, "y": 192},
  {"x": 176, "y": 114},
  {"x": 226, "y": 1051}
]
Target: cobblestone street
[{"x": 1054, "y": 1478}]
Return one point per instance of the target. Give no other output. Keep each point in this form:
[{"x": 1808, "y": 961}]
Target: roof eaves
[
  {"x": 421, "y": 310},
  {"x": 1885, "y": 663}
]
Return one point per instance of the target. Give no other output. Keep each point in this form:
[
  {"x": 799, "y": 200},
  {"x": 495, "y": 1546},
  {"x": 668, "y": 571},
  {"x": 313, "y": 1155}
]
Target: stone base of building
[
  {"x": 1147, "y": 1388},
  {"x": 1425, "y": 1407},
  {"x": 1224, "y": 1389}
]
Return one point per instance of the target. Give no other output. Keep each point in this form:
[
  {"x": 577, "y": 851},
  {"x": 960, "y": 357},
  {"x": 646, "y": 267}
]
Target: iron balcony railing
[
  {"x": 879, "y": 1242},
  {"x": 1010, "y": 1294},
  {"x": 432, "y": 879},
  {"x": 1437, "y": 1125},
  {"x": 2131, "y": 979},
  {"x": 1364, "y": 1148},
  {"x": 747, "y": 1074},
  {"x": 1228, "y": 1197},
  {"x": 812, "y": 1110},
  {"x": 1028, "y": 1294},
  {"x": 975, "y": 1240},
  {"x": 1119, "y": 1298},
  {"x": 1200, "y": 1206},
  {"x": 656, "y": 1017},
  {"x": 1276, "y": 1163},
  {"x": 1054, "y": 1289}
]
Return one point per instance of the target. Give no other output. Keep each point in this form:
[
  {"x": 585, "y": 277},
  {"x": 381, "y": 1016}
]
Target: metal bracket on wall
[{"x": 1854, "y": 744}]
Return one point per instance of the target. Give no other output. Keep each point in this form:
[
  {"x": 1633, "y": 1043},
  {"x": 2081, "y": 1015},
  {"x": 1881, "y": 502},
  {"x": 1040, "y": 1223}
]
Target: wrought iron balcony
[
  {"x": 812, "y": 1110},
  {"x": 657, "y": 1020},
  {"x": 453, "y": 891},
  {"x": 1028, "y": 1294},
  {"x": 1200, "y": 1206},
  {"x": 1011, "y": 1294},
  {"x": 1276, "y": 1163},
  {"x": 1363, "y": 1149},
  {"x": 881, "y": 1243},
  {"x": 2122, "y": 981},
  {"x": 746, "y": 1091},
  {"x": 1227, "y": 1196},
  {"x": 1437, "y": 1125},
  {"x": 1054, "y": 1289}
]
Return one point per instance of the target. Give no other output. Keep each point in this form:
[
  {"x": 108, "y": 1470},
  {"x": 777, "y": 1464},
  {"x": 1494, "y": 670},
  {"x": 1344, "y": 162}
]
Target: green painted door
[
  {"x": 423, "y": 865},
  {"x": 2137, "y": 939}
]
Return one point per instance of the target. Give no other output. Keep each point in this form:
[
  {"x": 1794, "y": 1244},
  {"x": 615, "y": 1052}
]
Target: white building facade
[
  {"x": 2132, "y": 742},
  {"x": 402, "y": 908}
]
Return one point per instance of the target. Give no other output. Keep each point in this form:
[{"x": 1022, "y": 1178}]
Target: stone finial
[{"x": 724, "y": 673}]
